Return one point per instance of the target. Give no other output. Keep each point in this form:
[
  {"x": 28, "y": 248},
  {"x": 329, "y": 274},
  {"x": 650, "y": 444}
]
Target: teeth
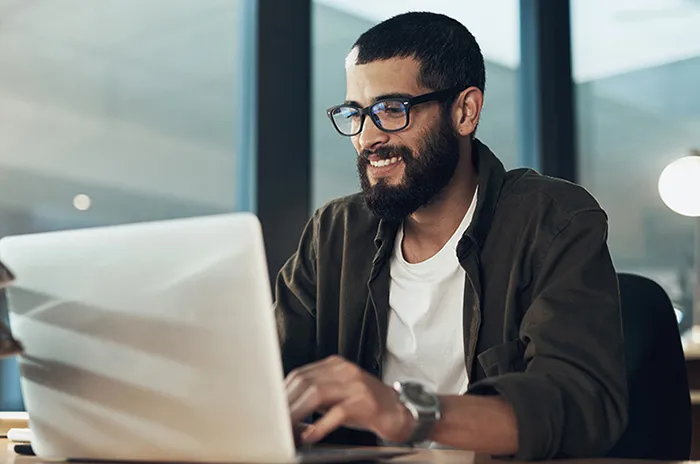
[{"x": 384, "y": 162}]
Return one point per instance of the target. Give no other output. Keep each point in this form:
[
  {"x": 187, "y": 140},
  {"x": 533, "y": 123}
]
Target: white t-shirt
[{"x": 425, "y": 339}]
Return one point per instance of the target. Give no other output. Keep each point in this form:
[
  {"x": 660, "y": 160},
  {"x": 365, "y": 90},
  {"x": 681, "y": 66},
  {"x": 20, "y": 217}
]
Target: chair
[{"x": 660, "y": 421}]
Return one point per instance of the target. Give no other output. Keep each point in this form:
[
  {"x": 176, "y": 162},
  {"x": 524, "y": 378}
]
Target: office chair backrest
[{"x": 660, "y": 422}]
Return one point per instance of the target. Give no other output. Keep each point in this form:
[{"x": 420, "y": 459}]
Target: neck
[{"x": 429, "y": 228}]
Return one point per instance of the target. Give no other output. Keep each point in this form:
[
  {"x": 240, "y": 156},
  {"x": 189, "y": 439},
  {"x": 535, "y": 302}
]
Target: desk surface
[
  {"x": 422, "y": 456},
  {"x": 454, "y": 457}
]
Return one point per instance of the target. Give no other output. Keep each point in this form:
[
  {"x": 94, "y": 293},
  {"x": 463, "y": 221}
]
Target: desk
[
  {"x": 422, "y": 456},
  {"x": 464, "y": 457}
]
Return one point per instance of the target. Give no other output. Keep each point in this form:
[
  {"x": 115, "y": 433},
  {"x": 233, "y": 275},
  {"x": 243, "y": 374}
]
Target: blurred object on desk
[
  {"x": 13, "y": 420},
  {"x": 20, "y": 435}
]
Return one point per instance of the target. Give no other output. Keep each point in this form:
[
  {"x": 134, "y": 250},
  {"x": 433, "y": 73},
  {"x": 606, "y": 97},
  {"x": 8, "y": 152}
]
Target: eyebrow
[{"x": 380, "y": 97}]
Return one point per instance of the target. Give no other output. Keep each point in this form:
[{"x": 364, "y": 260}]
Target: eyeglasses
[{"x": 388, "y": 114}]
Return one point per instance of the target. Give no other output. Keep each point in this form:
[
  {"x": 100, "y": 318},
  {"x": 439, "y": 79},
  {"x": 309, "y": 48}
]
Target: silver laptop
[{"x": 154, "y": 342}]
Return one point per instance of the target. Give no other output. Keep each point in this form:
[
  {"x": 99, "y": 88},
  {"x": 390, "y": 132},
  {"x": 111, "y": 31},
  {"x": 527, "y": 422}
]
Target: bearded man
[{"x": 449, "y": 303}]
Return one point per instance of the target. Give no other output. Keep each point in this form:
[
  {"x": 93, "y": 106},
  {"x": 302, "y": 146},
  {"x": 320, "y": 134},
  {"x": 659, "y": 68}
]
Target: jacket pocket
[{"x": 504, "y": 358}]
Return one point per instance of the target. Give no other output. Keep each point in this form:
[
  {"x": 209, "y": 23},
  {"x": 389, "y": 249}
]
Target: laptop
[{"x": 154, "y": 342}]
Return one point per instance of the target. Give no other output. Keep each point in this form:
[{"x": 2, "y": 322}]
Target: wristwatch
[{"x": 423, "y": 406}]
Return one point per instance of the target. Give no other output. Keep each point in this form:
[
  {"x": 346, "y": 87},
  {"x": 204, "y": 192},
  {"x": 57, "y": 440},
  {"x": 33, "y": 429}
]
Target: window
[
  {"x": 336, "y": 26},
  {"x": 637, "y": 68},
  {"x": 117, "y": 111}
]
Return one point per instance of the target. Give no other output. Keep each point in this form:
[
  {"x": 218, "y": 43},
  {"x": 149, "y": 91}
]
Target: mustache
[{"x": 388, "y": 152}]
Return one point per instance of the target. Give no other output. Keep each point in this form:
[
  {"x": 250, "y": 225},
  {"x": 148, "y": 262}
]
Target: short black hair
[{"x": 448, "y": 53}]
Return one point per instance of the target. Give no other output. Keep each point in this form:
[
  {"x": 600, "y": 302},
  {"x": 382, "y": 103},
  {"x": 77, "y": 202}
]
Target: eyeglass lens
[{"x": 387, "y": 115}]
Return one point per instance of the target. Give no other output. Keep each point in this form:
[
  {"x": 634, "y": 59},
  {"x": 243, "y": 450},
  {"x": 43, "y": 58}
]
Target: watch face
[{"x": 417, "y": 395}]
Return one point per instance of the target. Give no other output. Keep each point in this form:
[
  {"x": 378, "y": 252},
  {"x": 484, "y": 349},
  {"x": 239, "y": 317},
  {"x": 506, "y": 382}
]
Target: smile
[{"x": 385, "y": 162}]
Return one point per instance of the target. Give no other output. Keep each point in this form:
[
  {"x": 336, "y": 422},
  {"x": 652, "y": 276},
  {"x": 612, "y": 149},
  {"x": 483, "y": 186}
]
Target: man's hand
[{"x": 349, "y": 397}]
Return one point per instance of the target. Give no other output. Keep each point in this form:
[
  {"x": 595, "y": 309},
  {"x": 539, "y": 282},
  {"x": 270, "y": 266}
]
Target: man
[{"x": 450, "y": 302}]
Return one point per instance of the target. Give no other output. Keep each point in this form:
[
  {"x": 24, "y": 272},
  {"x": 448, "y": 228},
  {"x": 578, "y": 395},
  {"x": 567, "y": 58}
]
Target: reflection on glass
[
  {"x": 637, "y": 68},
  {"x": 116, "y": 111}
]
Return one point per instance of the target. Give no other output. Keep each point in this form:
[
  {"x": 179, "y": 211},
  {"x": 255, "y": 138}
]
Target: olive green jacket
[{"x": 542, "y": 324}]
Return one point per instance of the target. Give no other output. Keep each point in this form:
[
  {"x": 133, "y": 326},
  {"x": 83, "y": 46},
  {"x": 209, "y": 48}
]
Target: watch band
[
  {"x": 424, "y": 426},
  {"x": 425, "y": 417}
]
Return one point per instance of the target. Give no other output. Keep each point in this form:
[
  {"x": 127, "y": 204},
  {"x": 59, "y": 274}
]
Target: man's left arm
[{"x": 572, "y": 398}]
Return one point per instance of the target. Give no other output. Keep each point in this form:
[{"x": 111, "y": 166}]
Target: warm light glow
[
  {"x": 82, "y": 202},
  {"x": 679, "y": 186}
]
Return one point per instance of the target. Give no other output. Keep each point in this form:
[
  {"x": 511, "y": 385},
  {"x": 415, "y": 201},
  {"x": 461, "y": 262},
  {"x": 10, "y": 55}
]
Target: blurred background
[{"x": 118, "y": 111}]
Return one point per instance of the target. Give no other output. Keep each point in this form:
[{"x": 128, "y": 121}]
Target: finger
[
  {"x": 295, "y": 389},
  {"x": 304, "y": 382},
  {"x": 299, "y": 429},
  {"x": 297, "y": 383},
  {"x": 327, "y": 370},
  {"x": 314, "y": 369},
  {"x": 300, "y": 372},
  {"x": 318, "y": 396},
  {"x": 331, "y": 421}
]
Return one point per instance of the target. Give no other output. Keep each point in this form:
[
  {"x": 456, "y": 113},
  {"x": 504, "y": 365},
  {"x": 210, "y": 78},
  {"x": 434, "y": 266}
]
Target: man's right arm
[{"x": 295, "y": 302}]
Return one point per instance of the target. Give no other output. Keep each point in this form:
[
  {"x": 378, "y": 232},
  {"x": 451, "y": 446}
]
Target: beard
[{"x": 426, "y": 174}]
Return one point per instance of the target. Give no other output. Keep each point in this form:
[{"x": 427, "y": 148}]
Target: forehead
[{"x": 395, "y": 75}]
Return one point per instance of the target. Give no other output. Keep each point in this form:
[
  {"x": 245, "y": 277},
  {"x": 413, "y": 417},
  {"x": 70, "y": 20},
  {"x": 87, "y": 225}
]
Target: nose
[{"x": 371, "y": 137}]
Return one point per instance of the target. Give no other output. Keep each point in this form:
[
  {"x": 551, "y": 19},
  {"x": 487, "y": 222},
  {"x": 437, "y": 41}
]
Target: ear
[{"x": 466, "y": 111}]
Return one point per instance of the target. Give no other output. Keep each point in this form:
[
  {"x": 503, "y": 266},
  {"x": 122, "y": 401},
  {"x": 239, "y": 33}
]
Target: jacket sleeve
[
  {"x": 295, "y": 302},
  {"x": 571, "y": 400}
]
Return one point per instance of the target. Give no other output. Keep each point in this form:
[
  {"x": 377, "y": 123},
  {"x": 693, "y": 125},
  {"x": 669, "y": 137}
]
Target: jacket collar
[{"x": 491, "y": 175}]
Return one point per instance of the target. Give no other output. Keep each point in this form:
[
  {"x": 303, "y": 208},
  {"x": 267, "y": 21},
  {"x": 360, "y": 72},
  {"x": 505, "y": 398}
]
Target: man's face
[{"x": 403, "y": 171}]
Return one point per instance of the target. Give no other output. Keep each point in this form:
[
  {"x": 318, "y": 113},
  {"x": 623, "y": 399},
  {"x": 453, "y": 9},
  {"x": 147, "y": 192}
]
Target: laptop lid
[{"x": 150, "y": 341}]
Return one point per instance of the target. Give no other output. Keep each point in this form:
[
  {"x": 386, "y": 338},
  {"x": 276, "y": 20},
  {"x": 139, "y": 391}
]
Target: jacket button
[{"x": 375, "y": 367}]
